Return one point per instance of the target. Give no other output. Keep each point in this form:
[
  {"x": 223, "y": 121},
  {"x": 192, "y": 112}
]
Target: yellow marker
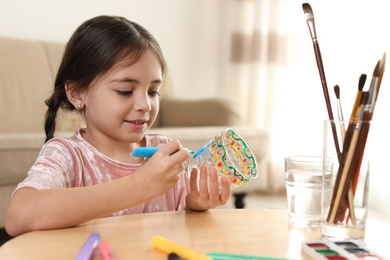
[{"x": 168, "y": 247}]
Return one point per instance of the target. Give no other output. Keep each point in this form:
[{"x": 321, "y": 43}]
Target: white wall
[{"x": 187, "y": 30}]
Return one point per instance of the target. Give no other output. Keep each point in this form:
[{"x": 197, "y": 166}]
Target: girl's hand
[
  {"x": 161, "y": 172},
  {"x": 207, "y": 195}
]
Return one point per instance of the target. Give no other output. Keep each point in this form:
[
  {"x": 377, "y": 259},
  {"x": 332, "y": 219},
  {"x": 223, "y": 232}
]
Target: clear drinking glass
[
  {"x": 303, "y": 178},
  {"x": 345, "y": 195}
]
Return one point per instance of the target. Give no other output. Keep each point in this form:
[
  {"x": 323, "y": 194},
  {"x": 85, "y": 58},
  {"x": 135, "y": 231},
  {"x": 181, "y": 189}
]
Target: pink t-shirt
[{"x": 73, "y": 162}]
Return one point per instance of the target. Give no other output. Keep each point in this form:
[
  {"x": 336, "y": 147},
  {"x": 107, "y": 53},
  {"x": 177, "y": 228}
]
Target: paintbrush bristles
[
  {"x": 307, "y": 8},
  {"x": 382, "y": 64},
  {"x": 376, "y": 70},
  {"x": 381, "y": 72},
  {"x": 362, "y": 81},
  {"x": 355, "y": 109},
  {"x": 310, "y": 20},
  {"x": 340, "y": 113},
  {"x": 337, "y": 91}
]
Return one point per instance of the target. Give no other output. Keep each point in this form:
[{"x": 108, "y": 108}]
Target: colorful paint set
[{"x": 343, "y": 250}]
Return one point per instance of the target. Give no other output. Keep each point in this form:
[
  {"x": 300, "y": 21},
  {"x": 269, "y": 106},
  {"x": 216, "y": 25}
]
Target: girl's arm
[
  {"x": 32, "y": 209},
  {"x": 207, "y": 195}
]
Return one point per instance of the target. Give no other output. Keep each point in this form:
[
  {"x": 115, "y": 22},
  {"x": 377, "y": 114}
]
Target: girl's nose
[{"x": 143, "y": 103}]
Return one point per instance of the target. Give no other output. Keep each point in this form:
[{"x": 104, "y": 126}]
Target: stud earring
[{"x": 78, "y": 106}]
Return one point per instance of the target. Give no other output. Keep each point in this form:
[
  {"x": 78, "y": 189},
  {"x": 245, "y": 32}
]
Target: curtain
[{"x": 261, "y": 58}]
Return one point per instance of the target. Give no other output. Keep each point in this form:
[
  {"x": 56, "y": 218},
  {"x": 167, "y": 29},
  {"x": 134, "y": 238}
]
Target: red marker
[{"x": 105, "y": 250}]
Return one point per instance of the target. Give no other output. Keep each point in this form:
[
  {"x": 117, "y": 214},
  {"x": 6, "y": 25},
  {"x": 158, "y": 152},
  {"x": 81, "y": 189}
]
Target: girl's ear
[{"x": 75, "y": 95}]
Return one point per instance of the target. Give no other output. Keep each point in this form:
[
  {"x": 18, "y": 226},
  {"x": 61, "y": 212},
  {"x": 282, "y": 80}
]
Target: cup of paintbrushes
[{"x": 345, "y": 193}]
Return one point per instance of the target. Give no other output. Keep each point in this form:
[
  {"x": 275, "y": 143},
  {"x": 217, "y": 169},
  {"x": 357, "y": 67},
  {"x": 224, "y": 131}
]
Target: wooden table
[{"x": 258, "y": 232}]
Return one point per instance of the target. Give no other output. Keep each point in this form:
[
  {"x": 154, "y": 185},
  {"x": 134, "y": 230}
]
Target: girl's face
[{"x": 123, "y": 103}]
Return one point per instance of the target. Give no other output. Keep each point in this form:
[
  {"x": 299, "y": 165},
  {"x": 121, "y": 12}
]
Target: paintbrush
[
  {"x": 340, "y": 112},
  {"x": 381, "y": 72},
  {"x": 351, "y": 170},
  {"x": 310, "y": 23},
  {"x": 355, "y": 113},
  {"x": 367, "y": 117},
  {"x": 147, "y": 152},
  {"x": 372, "y": 91},
  {"x": 342, "y": 134},
  {"x": 376, "y": 82},
  {"x": 355, "y": 109},
  {"x": 368, "y": 113}
]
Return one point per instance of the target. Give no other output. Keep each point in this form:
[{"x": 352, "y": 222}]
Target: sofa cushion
[
  {"x": 54, "y": 52},
  {"x": 25, "y": 82},
  {"x": 18, "y": 152},
  {"x": 176, "y": 112}
]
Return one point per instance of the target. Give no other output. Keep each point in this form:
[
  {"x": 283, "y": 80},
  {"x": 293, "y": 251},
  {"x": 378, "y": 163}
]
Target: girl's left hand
[{"x": 207, "y": 195}]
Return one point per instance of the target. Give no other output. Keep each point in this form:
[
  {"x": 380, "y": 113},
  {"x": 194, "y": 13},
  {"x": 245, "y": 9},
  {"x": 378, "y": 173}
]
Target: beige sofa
[{"x": 27, "y": 72}]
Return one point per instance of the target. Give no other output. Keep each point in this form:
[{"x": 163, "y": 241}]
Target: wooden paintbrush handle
[
  {"x": 341, "y": 194},
  {"x": 346, "y": 146},
  {"x": 326, "y": 95}
]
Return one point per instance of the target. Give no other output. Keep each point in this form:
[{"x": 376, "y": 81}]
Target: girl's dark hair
[{"x": 94, "y": 48}]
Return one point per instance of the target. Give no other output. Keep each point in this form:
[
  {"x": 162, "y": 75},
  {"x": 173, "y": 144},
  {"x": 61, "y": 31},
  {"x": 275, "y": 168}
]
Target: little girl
[{"x": 111, "y": 71}]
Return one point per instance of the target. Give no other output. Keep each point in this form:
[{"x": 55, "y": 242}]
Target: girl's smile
[{"x": 137, "y": 124}]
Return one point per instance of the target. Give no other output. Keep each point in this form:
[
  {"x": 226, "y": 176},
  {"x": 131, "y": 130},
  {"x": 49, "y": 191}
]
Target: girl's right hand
[{"x": 161, "y": 172}]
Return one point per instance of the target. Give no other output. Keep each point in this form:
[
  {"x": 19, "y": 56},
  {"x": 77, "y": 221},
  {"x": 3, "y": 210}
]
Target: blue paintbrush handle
[
  {"x": 147, "y": 151},
  {"x": 144, "y": 151}
]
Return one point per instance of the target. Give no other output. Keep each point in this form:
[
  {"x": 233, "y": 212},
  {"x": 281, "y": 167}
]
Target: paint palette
[{"x": 343, "y": 250}]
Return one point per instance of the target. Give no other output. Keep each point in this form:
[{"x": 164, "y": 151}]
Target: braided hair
[{"x": 94, "y": 48}]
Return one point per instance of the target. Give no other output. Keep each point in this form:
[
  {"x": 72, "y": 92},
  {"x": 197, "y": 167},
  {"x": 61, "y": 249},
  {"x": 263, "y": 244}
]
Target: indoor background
[{"x": 258, "y": 51}]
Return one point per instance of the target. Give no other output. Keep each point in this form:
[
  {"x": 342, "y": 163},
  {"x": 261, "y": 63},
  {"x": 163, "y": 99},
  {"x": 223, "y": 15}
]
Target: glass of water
[{"x": 304, "y": 183}]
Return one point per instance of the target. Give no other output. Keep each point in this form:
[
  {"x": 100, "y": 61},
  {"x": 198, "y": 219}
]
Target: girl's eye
[
  {"x": 124, "y": 92},
  {"x": 154, "y": 93}
]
